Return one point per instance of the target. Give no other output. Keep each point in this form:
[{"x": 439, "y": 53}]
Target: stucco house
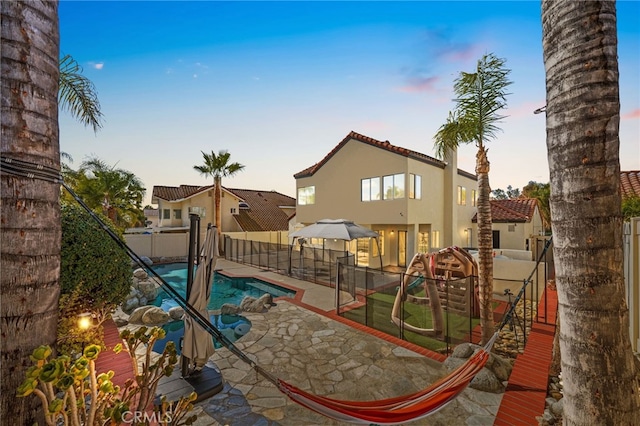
[
  {"x": 514, "y": 222},
  {"x": 241, "y": 209},
  {"x": 415, "y": 202}
]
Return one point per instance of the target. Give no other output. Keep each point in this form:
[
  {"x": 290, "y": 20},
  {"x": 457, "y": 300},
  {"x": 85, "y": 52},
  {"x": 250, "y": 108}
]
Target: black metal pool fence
[{"x": 367, "y": 295}]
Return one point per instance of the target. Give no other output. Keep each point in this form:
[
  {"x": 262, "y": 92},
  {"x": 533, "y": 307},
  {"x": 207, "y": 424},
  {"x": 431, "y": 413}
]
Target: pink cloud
[
  {"x": 524, "y": 109},
  {"x": 460, "y": 53},
  {"x": 635, "y": 114},
  {"x": 420, "y": 84}
]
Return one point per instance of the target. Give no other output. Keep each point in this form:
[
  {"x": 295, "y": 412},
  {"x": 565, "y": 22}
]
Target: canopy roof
[{"x": 339, "y": 229}]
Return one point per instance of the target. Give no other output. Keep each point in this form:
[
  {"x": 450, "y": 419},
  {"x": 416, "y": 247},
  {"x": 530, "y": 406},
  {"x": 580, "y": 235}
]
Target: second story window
[
  {"x": 370, "y": 188},
  {"x": 415, "y": 186},
  {"x": 462, "y": 196},
  {"x": 393, "y": 186},
  {"x": 306, "y": 195},
  {"x": 166, "y": 214},
  {"x": 177, "y": 214}
]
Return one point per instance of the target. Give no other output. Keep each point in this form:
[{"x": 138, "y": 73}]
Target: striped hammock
[{"x": 396, "y": 410}]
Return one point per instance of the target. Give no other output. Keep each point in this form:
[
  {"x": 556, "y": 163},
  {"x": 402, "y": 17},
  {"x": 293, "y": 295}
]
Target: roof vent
[{"x": 243, "y": 205}]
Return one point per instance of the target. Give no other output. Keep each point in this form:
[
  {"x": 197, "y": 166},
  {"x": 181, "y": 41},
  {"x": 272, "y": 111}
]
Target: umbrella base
[{"x": 206, "y": 383}]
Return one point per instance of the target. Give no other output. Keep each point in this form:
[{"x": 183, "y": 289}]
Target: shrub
[{"x": 95, "y": 276}]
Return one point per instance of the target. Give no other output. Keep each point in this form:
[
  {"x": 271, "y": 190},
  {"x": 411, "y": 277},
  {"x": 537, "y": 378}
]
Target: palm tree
[
  {"x": 480, "y": 95},
  {"x": 218, "y": 166},
  {"x": 583, "y": 113},
  {"x": 30, "y": 208},
  {"x": 77, "y": 94},
  {"x": 116, "y": 193}
]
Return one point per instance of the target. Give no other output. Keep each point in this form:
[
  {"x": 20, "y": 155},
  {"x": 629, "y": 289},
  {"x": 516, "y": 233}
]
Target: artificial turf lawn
[{"x": 377, "y": 314}]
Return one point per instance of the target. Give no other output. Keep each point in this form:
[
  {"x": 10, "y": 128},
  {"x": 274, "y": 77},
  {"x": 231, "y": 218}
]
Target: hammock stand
[{"x": 389, "y": 411}]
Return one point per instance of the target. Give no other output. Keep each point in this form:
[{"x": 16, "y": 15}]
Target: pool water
[
  {"x": 224, "y": 289},
  {"x": 232, "y": 326}
]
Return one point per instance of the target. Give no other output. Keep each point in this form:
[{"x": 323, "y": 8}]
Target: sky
[{"x": 280, "y": 84}]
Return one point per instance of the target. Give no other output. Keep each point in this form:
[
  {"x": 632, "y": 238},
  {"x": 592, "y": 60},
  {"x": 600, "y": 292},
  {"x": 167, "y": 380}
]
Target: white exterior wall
[{"x": 338, "y": 196}]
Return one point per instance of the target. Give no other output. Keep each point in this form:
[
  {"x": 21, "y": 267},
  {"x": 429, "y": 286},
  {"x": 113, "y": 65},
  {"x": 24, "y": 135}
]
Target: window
[
  {"x": 370, "y": 188},
  {"x": 307, "y": 195},
  {"x": 393, "y": 186},
  {"x": 166, "y": 214},
  {"x": 474, "y": 197},
  {"x": 200, "y": 211},
  {"x": 233, "y": 210},
  {"x": 415, "y": 186},
  {"x": 462, "y": 196},
  {"x": 423, "y": 242},
  {"x": 512, "y": 228},
  {"x": 177, "y": 214},
  {"x": 436, "y": 238}
]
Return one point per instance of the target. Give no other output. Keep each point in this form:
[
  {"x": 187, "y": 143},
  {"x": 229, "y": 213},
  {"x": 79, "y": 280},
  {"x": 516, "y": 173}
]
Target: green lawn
[{"x": 377, "y": 314}]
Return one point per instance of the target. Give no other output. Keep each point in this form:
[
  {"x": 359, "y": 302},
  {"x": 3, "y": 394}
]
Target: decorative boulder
[
  {"x": 491, "y": 377},
  {"x": 251, "y": 304},
  {"x": 230, "y": 309},
  {"x": 155, "y": 316},
  {"x": 176, "y": 313},
  {"x": 149, "y": 289},
  {"x": 136, "y": 315},
  {"x": 140, "y": 274}
]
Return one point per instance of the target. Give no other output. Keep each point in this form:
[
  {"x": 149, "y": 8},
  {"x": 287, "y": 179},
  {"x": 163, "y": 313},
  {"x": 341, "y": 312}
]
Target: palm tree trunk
[
  {"x": 218, "y": 200},
  {"x": 30, "y": 209},
  {"x": 485, "y": 247},
  {"x": 600, "y": 381}
]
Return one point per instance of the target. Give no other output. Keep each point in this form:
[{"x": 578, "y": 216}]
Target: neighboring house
[
  {"x": 263, "y": 210},
  {"x": 241, "y": 209},
  {"x": 150, "y": 218},
  {"x": 630, "y": 183},
  {"x": 415, "y": 202},
  {"x": 514, "y": 222}
]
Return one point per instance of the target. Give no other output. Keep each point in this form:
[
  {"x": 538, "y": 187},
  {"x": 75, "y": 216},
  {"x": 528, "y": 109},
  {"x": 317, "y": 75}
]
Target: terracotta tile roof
[
  {"x": 386, "y": 145},
  {"x": 630, "y": 183},
  {"x": 264, "y": 211},
  {"x": 173, "y": 193},
  {"x": 512, "y": 210}
]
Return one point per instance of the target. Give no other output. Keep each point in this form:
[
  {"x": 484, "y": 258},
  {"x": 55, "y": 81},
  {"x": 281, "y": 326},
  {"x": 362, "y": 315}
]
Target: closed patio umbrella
[{"x": 198, "y": 344}]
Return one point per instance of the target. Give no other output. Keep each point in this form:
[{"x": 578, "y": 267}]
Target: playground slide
[
  {"x": 428, "y": 269},
  {"x": 419, "y": 272}
]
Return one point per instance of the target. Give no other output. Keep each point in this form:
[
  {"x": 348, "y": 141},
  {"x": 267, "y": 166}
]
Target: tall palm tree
[
  {"x": 479, "y": 97},
  {"x": 600, "y": 381},
  {"x": 218, "y": 166},
  {"x": 30, "y": 209},
  {"x": 78, "y": 95}
]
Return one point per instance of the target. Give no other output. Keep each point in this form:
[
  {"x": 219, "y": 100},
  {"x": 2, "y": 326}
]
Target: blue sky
[{"x": 280, "y": 84}]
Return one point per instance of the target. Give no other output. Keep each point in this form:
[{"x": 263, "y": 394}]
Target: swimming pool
[
  {"x": 232, "y": 326},
  {"x": 224, "y": 289}
]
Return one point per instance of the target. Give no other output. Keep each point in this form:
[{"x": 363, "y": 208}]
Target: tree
[
  {"x": 631, "y": 207},
  {"x": 480, "y": 95},
  {"x": 218, "y": 166},
  {"x": 509, "y": 194},
  {"x": 116, "y": 193},
  {"x": 78, "y": 95},
  {"x": 600, "y": 381},
  {"x": 541, "y": 192},
  {"x": 30, "y": 209}
]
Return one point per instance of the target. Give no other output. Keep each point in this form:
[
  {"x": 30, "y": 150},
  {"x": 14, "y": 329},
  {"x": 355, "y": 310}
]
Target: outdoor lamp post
[{"x": 85, "y": 321}]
